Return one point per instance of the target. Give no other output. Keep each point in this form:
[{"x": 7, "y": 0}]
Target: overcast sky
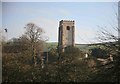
[{"x": 87, "y": 16}]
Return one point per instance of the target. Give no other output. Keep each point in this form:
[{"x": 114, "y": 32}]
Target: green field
[{"x": 82, "y": 47}]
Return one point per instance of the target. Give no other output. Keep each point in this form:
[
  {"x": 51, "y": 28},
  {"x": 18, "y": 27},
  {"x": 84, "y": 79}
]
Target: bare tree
[
  {"x": 34, "y": 34},
  {"x": 109, "y": 39},
  {"x": 113, "y": 42},
  {"x": 111, "y": 36},
  {"x": 113, "y": 45}
]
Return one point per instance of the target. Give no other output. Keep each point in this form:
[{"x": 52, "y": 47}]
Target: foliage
[
  {"x": 113, "y": 44},
  {"x": 17, "y": 68},
  {"x": 70, "y": 68},
  {"x": 15, "y": 45},
  {"x": 76, "y": 52},
  {"x": 100, "y": 53}
]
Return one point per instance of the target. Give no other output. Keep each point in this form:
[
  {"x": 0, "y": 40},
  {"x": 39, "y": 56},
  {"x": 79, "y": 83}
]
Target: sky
[{"x": 87, "y": 16}]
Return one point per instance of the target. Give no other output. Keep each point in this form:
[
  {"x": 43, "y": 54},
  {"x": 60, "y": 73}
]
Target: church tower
[{"x": 66, "y": 34}]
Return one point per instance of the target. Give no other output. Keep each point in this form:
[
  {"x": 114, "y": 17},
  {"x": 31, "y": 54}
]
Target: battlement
[{"x": 66, "y": 21}]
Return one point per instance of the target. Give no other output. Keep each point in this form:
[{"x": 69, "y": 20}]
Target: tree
[
  {"x": 113, "y": 43},
  {"x": 70, "y": 68},
  {"x": 98, "y": 52},
  {"x": 34, "y": 34}
]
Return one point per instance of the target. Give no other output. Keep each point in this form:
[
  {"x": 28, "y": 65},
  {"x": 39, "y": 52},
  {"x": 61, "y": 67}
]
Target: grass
[{"x": 82, "y": 47}]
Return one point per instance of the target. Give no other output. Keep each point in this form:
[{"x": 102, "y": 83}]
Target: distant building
[
  {"x": 66, "y": 34},
  {"x": 86, "y": 55},
  {"x": 111, "y": 57}
]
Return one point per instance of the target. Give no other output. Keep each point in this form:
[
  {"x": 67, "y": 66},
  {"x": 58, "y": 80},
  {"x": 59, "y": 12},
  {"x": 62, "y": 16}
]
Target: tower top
[{"x": 67, "y": 21}]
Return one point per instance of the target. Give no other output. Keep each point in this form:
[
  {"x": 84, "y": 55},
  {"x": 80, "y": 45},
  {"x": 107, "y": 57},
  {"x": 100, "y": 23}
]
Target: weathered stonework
[{"x": 66, "y": 34}]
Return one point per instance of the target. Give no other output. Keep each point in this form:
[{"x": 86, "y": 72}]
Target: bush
[
  {"x": 98, "y": 52},
  {"x": 72, "y": 50}
]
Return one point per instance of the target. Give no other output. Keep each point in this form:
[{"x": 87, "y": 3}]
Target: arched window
[{"x": 68, "y": 27}]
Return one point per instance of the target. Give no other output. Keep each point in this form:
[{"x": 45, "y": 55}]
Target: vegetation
[
  {"x": 34, "y": 35},
  {"x": 17, "y": 67},
  {"x": 99, "y": 53},
  {"x": 20, "y": 62}
]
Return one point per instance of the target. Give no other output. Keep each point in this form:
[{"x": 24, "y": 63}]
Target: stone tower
[{"x": 66, "y": 34}]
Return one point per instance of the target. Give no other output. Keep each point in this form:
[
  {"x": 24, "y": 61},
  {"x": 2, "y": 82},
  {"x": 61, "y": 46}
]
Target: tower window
[{"x": 68, "y": 27}]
